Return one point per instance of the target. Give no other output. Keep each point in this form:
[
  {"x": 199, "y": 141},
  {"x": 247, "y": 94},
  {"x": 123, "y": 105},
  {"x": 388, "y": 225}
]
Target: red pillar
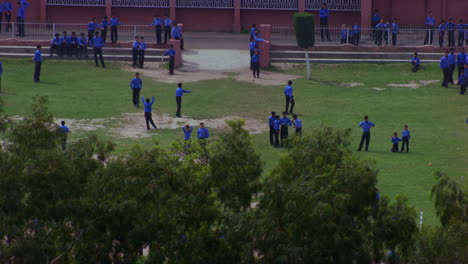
[
  {"x": 366, "y": 13},
  {"x": 236, "y": 27},
  {"x": 265, "y": 31},
  {"x": 301, "y": 6},
  {"x": 172, "y": 7},
  {"x": 264, "y": 48},
  {"x": 43, "y": 11},
  {"x": 109, "y": 8}
]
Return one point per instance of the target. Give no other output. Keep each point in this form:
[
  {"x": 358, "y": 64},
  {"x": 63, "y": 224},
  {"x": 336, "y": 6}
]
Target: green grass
[{"x": 436, "y": 116}]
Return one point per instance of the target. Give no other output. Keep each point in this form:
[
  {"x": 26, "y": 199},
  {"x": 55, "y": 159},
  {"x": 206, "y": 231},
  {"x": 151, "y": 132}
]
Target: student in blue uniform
[
  {"x": 356, "y": 34},
  {"x": 395, "y": 31},
  {"x": 461, "y": 60},
  {"x": 276, "y": 126},
  {"x": 65, "y": 43},
  {"x": 415, "y": 61},
  {"x": 82, "y": 46},
  {"x": 187, "y": 129},
  {"x": 343, "y": 34},
  {"x": 171, "y": 53},
  {"x": 297, "y": 124},
  {"x": 73, "y": 44},
  {"x": 203, "y": 132},
  {"x": 395, "y": 141},
  {"x": 406, "y": 136},
  {"x": 271, "y": 124},
  {"x": 135, "y": 50},
  {"x": 451, "y": 33},
  {"x": 92, "y": 26},
  {"x": 114, "y": 24},
  {"x": 324, "y": 14},
  {"x": 442, "y": 27},
  {"x": 179, "y": 93},
  {"x": 465, "y": 81},
  {"x": 285, "y": 123},
  {"x": 253, "y": 29},
  {"x": 461, "y": 32},
  {"x": 167, "y": 28},
  {"x": 429, "y": 23},
  {"x": 256, "y": 64},
  {"x": 148, "y": 115},
  {"x": 366, "y": 126},
  {"x": 452, "y": 58},
  {"x": 176, "y": 34},
  {"x": 20, "y": 15},
  {"x": 386, "y": 34},
  {"x": 380, "y": 28},
  {"x": 157, "y": 23},
  {"x": 252, "y": 49},
  {"x": 289, "y": 96},
  {"x": 461, "y": 81},
  {"x": 37, "y": 64},
  {"x": 1, "y": 16},
  {"x": 7, "y": 8},
  {"x": 445, "y": 66},
  {"x": 97, "y": 43},
  {"x": 136, "y": 84},
  {"x": 374, "y": 21},
  {"x": 64, "y": 130},
  {"x": 55, "y": 44},
  {"x": 104, "y": 27},
  {"x": 141, "y": 54}
]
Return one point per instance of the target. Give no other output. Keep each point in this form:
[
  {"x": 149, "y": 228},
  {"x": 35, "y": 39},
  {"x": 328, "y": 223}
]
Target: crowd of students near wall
[{"x": 6, "y": 9}]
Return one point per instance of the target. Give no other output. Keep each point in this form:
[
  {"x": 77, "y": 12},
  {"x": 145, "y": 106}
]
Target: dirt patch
[
  {"x": 347, "y": 84},
  {"x": 153, "y": 70},
  {"x": 379, "y": 89},
  {"x": 414, "y": 84}
]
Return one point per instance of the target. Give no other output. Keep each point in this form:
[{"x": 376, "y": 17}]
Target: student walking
[
  {"x": 7, "y": 8},
  {"x": 157, "y": 23},
  {"x": 92, "y": 26},
  {"x": 297, "y": 124},
  {"x": 256, "y": 64},
  {"x": 395, "y": 141},
  {"x": 324, "y": 14},
  {"x": 37, "y": 64},
  {"x": 167, "y": 29},
  {"x": 429, "y": 23},
  {"x": 271, "y": 124},
  {"x": 442, "y": 27},
  {"x": 141, "y": 54},
  {"x": 97, "y": 43},
  {"x": 104, "y": 27},
  {"x": 135, "y": 51},
  {"x": 289, "y": 96},
  {"x": 285, "y": 123},
  {"x": 136, "y": 84},
  {"x": 415, "y": 61},
  {"x": 21, "y": 14},
  {"x": 203, "y": 132},
  {"x": 171, "y": 53},
  {"x": 366, "y": 126},
  {"x": 461, "y": 60},
  {"x": 445, "y": 66},
  {"x": 276, "y": 126},
  {"x": 64, "y": 130},
  {"x": 395, "y": 31},
  {"x": 461, "y": 32},
  {"x": 179, "y": 93},
  {"x": 114, "y": 24},
  {"x": 406, "y": 136},
  {"x": 452, "y": 58},
  {"x": 148, "y": 115}
]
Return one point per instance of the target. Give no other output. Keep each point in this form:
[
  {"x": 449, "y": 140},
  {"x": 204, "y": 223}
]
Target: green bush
[{"x": 304, "y": 26}]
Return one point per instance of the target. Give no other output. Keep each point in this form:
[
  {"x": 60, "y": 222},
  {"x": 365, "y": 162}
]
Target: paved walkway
[{"x": 215, "y": 60}]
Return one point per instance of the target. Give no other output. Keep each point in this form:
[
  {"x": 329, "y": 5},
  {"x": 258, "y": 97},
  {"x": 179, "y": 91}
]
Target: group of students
[
  {"x": 450, "y": 27},
  {"x": 69, "y": 45},
  {"x": 138, "y": 51},
  {"x": 6, "y": 8},
  {"x": 93, "y": 27},
  {"x": 254, "y": 49},
  {"x": 449, "y": 62},
  {"x": 171, "y": 30}
]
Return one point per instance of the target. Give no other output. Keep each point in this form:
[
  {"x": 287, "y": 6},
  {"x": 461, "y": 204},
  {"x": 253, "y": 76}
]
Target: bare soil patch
[{"x": 414, "y": 84}]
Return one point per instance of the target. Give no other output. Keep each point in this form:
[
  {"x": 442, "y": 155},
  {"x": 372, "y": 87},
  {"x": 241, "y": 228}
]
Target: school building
[{"x": 234, "y": 15}]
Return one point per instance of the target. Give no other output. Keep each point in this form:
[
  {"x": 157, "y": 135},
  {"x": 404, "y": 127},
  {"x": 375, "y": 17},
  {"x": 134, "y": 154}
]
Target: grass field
[{"x": 436, "y": 115}]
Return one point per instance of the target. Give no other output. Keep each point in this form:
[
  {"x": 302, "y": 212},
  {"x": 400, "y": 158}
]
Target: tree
[
  {"x": 304, "y": 27},
  {"x": 451, "y": 202}
]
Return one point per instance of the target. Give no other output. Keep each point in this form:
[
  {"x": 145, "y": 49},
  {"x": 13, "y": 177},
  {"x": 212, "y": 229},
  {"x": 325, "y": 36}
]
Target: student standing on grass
[
  {"x": 203, "y": 132},
  {"x": 461, "y": 60},
  {"x": 429, "y": 23},
  {"x": 135, "y": 51},
  {"x": 104, "y": 27},
  {"x": 167, "y": 29},
  {"x": 271, "y": 123},
  {"x": 171, "y": 53},
  {"x": 452, "y": 58},
  {"x": 64, "y": 130},
  {"x": 324, "y": 14},
  {"x": 276, "y": 126},
  {"x": 442, "y": 27},
  {"x": 415, "y": 61},
  {"x": 461, "y": 32},
  {"x": 406, "y": 136},
  {"x": 256, "y": 64},
  {"x": 465, "y": 81},
  {"x": 395, "y": 31},
  {"x": 445, "y": 66},
  {"x": 37, "y": 64},
  {"x": 141, "y": 54},
  {"x": 179, "y": 93},
  {"x": 92, "y": 26},
  {"x": 7, "y": 8},
  {"x": 285, "y": 123},
  {"x": 461, "y": 81},
  {"x": 289, "y": 96},
  {"x": 114, "y": 24},
  {"x": 136, "y": 84},
  {"x": 366, "y": 126},
  {"x": 55, "y": 45},
  {"x": 395, "y": 141},
  {"x": 97, "y": 43},
  {"x": 297, "y": 124},
  {"x": 148, "y": 116},
  {"x": 451, "y": 33},
  {"x": 157, "y": 23}
]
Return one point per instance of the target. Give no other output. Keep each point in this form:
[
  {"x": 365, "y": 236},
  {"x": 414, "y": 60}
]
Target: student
[
  {"x": 430, "y": 23},
  {"x": 271, "y": 123},
  {"x": 7, "y": 8},
  {"x": 171, "y": 53},
  {"x": 324, "y": 13},
  {"x": 285, "y": 122},
  {"x": 375, "y": 20},
  {"x": 157, "y": 23},
  {"x": 1, "y": 16},
  {"x": 380, "y": 30},
  {"x": 343, "y": 34},
  {"x": 253, "y": 29},
  {"x": 65, "y": 43},
  {"x": 276, "y": 126},
  {"x": 203, "y": 132},
  {"x": 64, "y": 130},
  {"x": 176, "y": 34},
  {"x": 179, "y": 93},
  {"x": 136, "y": 84},
  {"x": 73, "y": 44},
  {"x": 387, "y": 29},
  {"x": 141, "y": 54},
  {"x": 83, "y": 46},
  {"x": 406, "y": 136},
  {"x": 256, "y": 64},
  {"x": 252, "y": 49},
  {"x": 461, "y": 81},
  {"x": 148, "y": 105},
  {"x": 114, "y": 24},
  {"x": 415, "y": 61},
  {"x": 452, "y": 58},
  {"x": 187, "y": 129},
  {"x": 442, "y": 27},
  {"x": 461, "y": 32},
  {"x": 395, "y": 141},
  {"x": 97, "y": 43},
  {"x": 356, "y": 34},
  {"x": 104, "y": 27},
  {"x": 21, "y": 14},
  {"x": 289, "y": 96},
  {"x": 461, "y": 60},
  {"x": 451, "y": 33},
  {"x": 297, "y": 124},
  {"x": 135, "y": 50},
  {"x": 167, "y": 28},
  {"x": 55, "y": 45},
  {"x": 92, "y": 26},
  {"x": 37, "y": 64},
  {"x": 366, "y": 126},
  {"x": 395, "y": 31},
  {"x": 465, "y": 81},
  {"x": 445, "y": 66}
]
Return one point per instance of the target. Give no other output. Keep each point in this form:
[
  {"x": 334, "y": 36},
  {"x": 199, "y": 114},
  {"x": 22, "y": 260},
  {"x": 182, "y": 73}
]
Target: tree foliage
[{"x": 304, "y": 27}]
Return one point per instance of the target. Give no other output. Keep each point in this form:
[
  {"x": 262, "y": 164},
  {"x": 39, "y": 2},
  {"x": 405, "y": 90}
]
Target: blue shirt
[
  {"x": 175, "y": 33},
  {"x": 461, "y": 58},
  {"x": 97, "y": 42},
  {"x": 442, "y": 27},
  {"x": 375, "y": 18},
  {"x": 136, "y": 45},
  {"x": 187, "y": 134},
  {"x": 450, "y": 26},
  {"x": 416, "y": 60},
  {"x": 461, "y": 79},
  {"x": 444, "y": 63},
  {"x": 65, "y": 40},
  {"x": 356, "y": 29},
  {"x": 452, "y": 58},
  {"x": 252, "y": 31},
  {"x": 157, "y": 21},
  {"x": 1, "y": 7},
  {"x": 136, "y": 83},
  {"x": 180, "y": 92},
  {"x": 284, "y": 121},
  {"x": 170, "y": 52},
  {"x": 104, "y": 23},
  {"x": 430, "y": 21},
  {"x": 461, "y": 28},
  {"x": 380, "y": 26},
  {"x": 406, "y": 133},
  {"x": 64, "y": 129},
  {"x": 114, "y": 22},
  {"x": 395, "y": 140},
  {"x": 37, "y": 56},
  {"x": 252, "y": 45},
  {"x": 366, "y": 125},
  {"x": 142, "y": 45},
  {"x": 466, "y": 73},
  {"x": 21, "y": 11},
  {"x": 344, "y": 33},
  {"x": 92, "y": 25},
  {"x": 147, "y": 105},
  {"x": 324, "y": 13},
  {"x": 74, "y": 40},
  {"x": 167, "y": 22},
  {"x": 203, "y": 133},
  {"x": 288, "y": 90},
  {"x": 276, "y": 124},
  {"x": 83, "y": 41},
  {"x": 255, "y": 58},
  {"x": 395, "y": 28},
  {"x": 7, "y": 7},
  {"x": 56, "y": 41},
  {"x": 298, "y": 123},
  {"x": 271, "y": 120}
]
